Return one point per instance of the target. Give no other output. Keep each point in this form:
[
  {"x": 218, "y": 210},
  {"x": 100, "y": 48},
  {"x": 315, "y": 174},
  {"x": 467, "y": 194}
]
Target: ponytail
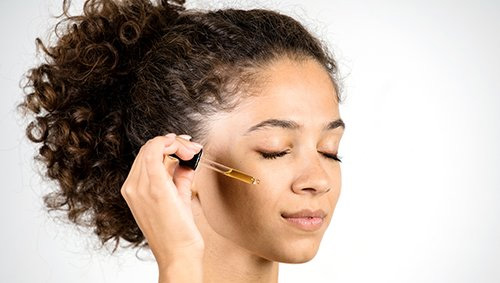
[{"x": 79, "y": 98}]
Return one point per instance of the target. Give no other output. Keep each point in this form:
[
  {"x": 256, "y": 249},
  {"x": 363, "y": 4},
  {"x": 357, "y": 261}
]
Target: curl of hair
[{"x": 125, "y": 71}]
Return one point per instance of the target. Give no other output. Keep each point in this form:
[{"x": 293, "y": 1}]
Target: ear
[
  {"x": 194, "y": 190},
  {"x": 194, "y": 194}
]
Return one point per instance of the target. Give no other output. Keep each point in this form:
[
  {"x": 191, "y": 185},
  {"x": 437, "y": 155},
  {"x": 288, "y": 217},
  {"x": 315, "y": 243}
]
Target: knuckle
[
  {"x": 157, "y": 139},
  {"x": 126, "y": 190},
  {"x": 157, "y": 194},
  {"x": 148, "y": 157},
  {"x": 144, "y": 147}
]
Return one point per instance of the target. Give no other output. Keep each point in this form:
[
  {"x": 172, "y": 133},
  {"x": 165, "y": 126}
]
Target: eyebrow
[
  {"x": 335, "y": 124},
  {"x": 291, "y": 125}
]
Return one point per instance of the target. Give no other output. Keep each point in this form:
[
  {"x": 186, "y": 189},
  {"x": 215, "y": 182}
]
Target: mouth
[{"x": 306, "y": 220}]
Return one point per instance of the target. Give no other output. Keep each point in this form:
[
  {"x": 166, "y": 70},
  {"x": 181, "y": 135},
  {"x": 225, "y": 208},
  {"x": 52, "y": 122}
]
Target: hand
[{"x": 158, "y": 192}]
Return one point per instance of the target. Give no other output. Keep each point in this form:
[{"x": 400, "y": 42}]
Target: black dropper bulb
[{"x": 191, "y": 163}]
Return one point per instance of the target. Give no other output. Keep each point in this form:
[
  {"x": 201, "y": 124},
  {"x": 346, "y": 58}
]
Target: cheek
[
  {"x": 337, "y": 182},
  {"x": 334, "y": 194},
  {"x": 237, "y": 210}
]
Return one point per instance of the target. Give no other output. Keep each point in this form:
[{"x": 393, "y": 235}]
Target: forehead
[{"x": 300, "y": 89}]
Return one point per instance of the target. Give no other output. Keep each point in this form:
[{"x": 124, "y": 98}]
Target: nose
[{"x": 312, "y": 179}]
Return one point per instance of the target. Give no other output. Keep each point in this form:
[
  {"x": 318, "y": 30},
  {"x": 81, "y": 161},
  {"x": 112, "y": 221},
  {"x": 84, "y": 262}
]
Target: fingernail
[
  {"x": 186, "y": 137},
  {"x": 172, "y": 158},
  {"x": 170, "y": 135},
  {"x": 197, "y": 145}
]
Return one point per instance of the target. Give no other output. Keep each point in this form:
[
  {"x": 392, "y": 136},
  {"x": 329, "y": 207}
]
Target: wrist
[
  {"x": 186, "y": 257},
  {"x": 182, "y": 269},
  {"x": 187, "y": 254}
]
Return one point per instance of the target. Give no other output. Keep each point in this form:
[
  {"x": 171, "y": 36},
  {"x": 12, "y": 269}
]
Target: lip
[
  {"x": 305, "y": 219},
  {"x": 305, "y": 213}
]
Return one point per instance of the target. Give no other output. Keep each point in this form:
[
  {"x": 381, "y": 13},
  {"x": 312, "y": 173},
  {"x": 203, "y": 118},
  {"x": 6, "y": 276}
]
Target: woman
[{"x": 130, "y": 84}]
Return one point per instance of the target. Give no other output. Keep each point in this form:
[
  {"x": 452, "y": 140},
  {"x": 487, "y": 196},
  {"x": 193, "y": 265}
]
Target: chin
[
  {"x": 297, "y": 253},
  {"x": 298, "y": 257}
]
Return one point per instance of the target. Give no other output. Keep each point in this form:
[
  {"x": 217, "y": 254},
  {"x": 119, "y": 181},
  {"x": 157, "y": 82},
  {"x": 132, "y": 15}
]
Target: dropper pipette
[{"x": 223, "y": 169}]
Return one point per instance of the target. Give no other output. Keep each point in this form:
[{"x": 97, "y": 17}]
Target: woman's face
[{"x": 286, "y": 136}]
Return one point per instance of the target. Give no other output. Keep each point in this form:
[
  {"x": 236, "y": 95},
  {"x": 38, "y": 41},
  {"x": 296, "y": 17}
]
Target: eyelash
[{"x": 274, "y": 155}]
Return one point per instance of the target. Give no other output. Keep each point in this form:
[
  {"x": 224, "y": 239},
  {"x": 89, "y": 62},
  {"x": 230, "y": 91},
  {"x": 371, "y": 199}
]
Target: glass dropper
[
  {"x": 228, "y": 171},
  {"x": 223, "y": 169}
]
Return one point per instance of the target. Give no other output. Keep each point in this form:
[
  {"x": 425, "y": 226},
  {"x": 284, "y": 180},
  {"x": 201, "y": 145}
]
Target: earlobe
[{"x": 194, "y": 191}]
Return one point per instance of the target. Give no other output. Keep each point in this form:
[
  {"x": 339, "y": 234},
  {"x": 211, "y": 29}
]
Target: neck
[{"x": 225, "y": 261}]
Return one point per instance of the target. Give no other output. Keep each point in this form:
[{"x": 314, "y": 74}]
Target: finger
[
  {"x": 185, "y": 150},
  {"x": 188, "y": 145},
  {"x": 186, "y": 137},
  {"x": 170, "y": 163},
  {"x": 137, "y": 177},
  {"x": 160, "y": 169}
]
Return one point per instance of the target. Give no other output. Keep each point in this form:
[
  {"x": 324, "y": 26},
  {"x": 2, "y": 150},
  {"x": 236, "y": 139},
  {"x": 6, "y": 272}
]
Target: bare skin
[{"x": 229, "y": 231}]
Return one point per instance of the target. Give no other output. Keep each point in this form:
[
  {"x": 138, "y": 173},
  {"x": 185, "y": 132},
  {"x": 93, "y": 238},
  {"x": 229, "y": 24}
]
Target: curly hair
[{"x": 125, "y": 71}]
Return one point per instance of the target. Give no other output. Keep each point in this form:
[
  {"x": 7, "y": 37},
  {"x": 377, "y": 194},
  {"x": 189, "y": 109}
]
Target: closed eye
[
  {"x": 273, "y": 155},
  {"x": 332, "y": 156}
]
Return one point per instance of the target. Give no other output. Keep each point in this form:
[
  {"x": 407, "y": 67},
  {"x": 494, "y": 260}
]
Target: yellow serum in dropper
[{"x": 223, "y": 169}]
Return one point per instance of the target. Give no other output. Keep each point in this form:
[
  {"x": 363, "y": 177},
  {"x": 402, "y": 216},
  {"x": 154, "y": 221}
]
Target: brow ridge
[
  {"x": 292, "y": 125},
  {"x": 285, "y": 124}
]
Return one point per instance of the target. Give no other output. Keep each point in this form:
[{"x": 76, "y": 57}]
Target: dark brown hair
[{"x": 123, "y": 72}]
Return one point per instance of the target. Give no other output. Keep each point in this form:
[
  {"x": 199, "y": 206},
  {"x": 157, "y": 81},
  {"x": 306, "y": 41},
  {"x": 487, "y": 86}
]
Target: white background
[{"x": 421, "y": 153}]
